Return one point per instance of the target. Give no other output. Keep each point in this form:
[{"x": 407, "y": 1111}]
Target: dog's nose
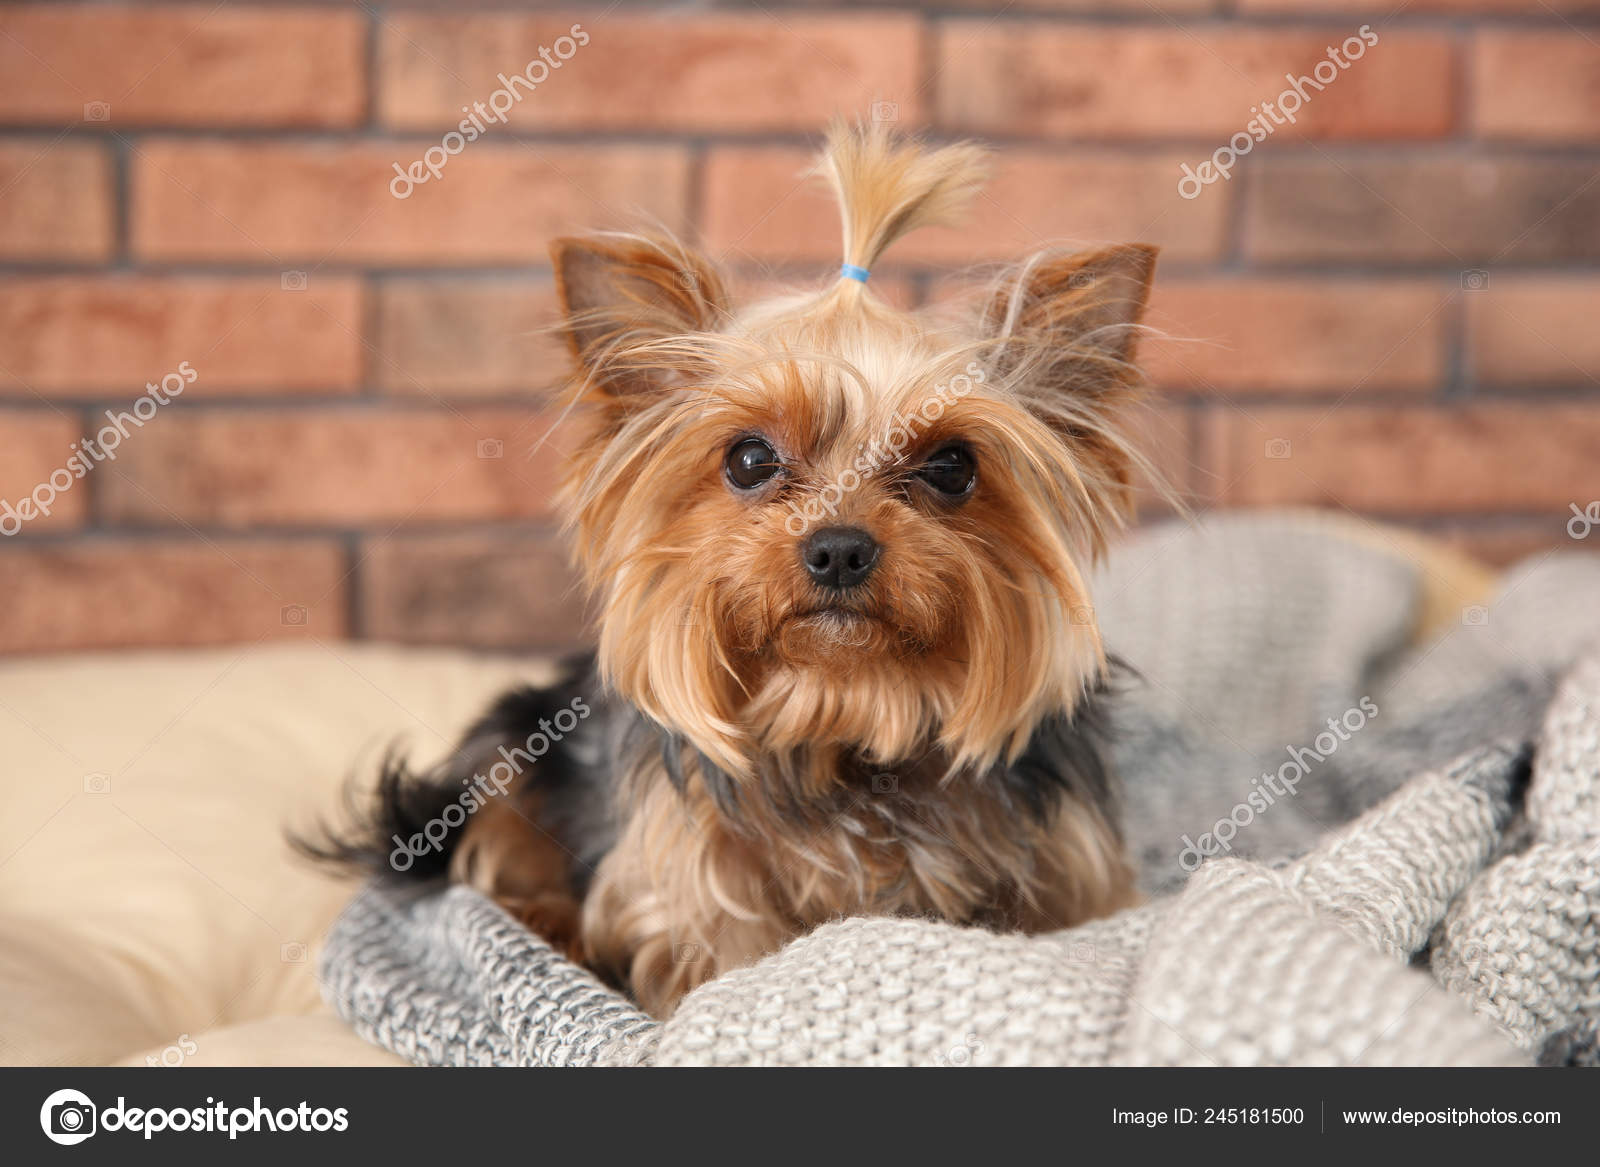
[{"x": 840, "y": 557}]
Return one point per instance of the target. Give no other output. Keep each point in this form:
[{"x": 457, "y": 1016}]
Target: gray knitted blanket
[{"x": 1357, "y": 853}]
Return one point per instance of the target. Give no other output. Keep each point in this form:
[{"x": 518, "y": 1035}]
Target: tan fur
[
  {"x": 504, "y": 854},
  {"x": 886, "y": 188},
  {"x": 686, "y": 894},
  {"x": 976, "y": 625}
]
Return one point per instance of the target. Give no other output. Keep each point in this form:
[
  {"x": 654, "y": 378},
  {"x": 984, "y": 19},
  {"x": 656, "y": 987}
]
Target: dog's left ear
[
  {"x": 1066, "y": 331},
  {"x": 1078, "y": 315},
  {"x": 623, "y": 293}
]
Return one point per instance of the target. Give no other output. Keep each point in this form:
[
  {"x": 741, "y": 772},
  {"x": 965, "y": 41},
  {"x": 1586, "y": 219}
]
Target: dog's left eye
[
  {"x": 951, "y": 471},
  {"x": 750, "y": 463}
]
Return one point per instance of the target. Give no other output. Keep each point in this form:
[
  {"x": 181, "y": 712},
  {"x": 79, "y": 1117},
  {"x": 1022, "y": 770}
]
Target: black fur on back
[
  {"x": 573, "y": 779},
  {"x": 1069, "y": 754}
]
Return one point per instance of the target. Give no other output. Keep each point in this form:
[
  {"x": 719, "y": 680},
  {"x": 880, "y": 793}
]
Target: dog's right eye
[{"x": 751, "y": 462}]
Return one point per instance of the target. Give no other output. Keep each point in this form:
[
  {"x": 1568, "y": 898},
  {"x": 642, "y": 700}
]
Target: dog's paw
[{"x": 552, "y": 916}]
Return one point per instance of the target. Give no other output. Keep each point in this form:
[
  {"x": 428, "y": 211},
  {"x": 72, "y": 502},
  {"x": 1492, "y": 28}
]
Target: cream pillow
[{"x": 148, "y": 901}]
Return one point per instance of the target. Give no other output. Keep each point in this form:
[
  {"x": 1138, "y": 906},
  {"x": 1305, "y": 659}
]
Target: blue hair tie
[{"x": 850, "y": 271}]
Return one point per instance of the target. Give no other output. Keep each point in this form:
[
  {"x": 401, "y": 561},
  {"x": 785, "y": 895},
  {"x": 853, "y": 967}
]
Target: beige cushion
[{"x": 147, "y": 896}]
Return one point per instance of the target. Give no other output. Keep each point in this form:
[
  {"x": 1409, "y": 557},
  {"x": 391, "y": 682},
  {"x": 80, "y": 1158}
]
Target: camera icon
[
  {"x": 1475, "y": 616},
  {"x": 1471, "y": 953},
  {"x": 72, "y": 1118},
  {"x": 68, "y": 1117},
  {"x": 293, "y": 952},
  {"x": 1278, "y": 448},
  {"x": 97, "y": 783},
  {"x": 686, "y": 953},
  {"x": 97, "y": 111},
  {"x": 963, "y": 1054},
  {"x": 292, "y": 615},
  {"x": 293, "y": 281},
  {"x": 1083, "y": 615},
  {"x": 885, "y": 783},
  {"x": 1474, "y": 280},
  {"x": 885, "y": 111},
  {"x": 1079, "y": 280},
  {"x": 689, "y": 280},
  {"x": 491, "y": 448},
  {"x": 1081, "y": 952}
]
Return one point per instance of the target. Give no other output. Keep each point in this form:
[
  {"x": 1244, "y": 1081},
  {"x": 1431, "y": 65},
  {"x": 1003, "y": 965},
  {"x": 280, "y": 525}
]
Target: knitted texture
[
  {"x": 1427, "y": 897},
  {"x": 451, "y": 980},
  {"x": 1305, "y": 965},
  {"x": 1523, "y": 944}
]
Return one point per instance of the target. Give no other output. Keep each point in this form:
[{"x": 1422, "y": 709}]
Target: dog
[{"x": 847, "y": 661}]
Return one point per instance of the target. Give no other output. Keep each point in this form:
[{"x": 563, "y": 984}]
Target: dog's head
[{"x": 819, "y": 520}]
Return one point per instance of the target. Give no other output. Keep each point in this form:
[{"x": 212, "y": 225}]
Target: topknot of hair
[{"x": 887, "y": 186}]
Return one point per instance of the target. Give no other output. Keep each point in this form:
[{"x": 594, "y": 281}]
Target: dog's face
[{"x": 823, "y": 522}]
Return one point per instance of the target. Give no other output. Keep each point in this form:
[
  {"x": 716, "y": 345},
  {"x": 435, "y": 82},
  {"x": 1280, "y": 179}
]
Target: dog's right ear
[{"x": 627, "y": 299}]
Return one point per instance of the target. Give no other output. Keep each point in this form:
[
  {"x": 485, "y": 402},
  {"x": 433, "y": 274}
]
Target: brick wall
[{"x": 1401, "y": 290}]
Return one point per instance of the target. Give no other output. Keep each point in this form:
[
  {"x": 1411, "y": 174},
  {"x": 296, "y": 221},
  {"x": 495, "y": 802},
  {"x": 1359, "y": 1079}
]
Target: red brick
[
  {"x": 1094, "y": 82},
  {"x": 492, "y": 589},
  {"x": 1474, "y": 212},
  {"x": 182, "y": 65},
  {"x": 1535, "y": 331},
  {"x": 1381, "y": 11},
  {"x": 1164, "y": 435},
  {"x": 759, "y": 207},
  {"x": 1540, "y": 86},
  {"x": 109, "y": 336},
  {"x": 55, "y": 202},
  {"x": 466, "y": 337},
  {"x": 130, "y": 593},
  {"x": 276, "y": 204},
  {"x": 331, "y": 468},
  {"x": 1481, "y": 458},
  {"x": 1296, "y": 336},
  {"x": 718, "y": 72},
  {"x": 37, "y": 444}
]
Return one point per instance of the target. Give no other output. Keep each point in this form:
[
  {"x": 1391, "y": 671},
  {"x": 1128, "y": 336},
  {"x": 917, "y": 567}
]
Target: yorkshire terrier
[{"x": 847, "y": 660}]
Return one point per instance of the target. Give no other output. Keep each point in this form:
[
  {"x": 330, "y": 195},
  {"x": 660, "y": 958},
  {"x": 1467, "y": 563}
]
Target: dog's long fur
[{"x": 755, "y": 753}]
